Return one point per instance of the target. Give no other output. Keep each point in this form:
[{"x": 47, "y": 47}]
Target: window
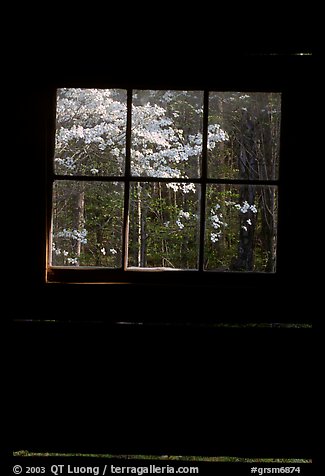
[{"x": 163, "y": 180}]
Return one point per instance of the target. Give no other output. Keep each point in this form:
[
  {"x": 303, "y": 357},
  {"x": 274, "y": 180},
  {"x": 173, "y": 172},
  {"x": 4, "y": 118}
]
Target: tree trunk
[
  {"x": 143, "y": 238},
  {"x": 248, "y": 171},
  {"x": 245, "y": 254},
  {"x": 268, "y": 225},
  {"x": 142, "y": 214},
  {"x": 79, "y": 219},
  {"x": 133, "y": 226},
  {"x": 139, "y": 223},
  {"x": 268, "y": 158}
]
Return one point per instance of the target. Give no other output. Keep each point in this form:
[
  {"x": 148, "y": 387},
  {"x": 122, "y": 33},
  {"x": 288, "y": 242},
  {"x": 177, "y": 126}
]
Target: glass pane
[
  {"x": 244, "y": 135},
  {"x": 167, "y": 133},
  {"x": 164, "y": 225},
  {"x": 87, "y": 223},
  {"x": 241, "y": 228},
  {"x": 90, "y": 132}
]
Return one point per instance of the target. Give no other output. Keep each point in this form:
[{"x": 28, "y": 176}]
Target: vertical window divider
[
  {"x": 125, "y": 237},
  {"x": 204, "y": 174}
]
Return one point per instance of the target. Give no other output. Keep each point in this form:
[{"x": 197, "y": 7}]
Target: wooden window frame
[{"x": 130, "y": 275}]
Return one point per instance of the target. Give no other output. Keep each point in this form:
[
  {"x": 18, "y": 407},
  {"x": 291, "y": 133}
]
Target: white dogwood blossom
[
  {"x": 78, "y": 235},
  {"x": 92, "y": 122},
  {"x": 91, "y": 139},
  {"x": 218, "y": 222}
]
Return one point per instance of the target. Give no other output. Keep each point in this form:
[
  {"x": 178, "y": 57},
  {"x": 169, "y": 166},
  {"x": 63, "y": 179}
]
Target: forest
[{"x": 166, "y": 179}]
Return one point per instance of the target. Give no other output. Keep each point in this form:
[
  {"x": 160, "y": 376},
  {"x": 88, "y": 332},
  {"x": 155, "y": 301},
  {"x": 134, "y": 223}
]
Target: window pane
[
  {"x": 167, "y": 133},
  {"x": 241, "y": 224},
  {"x": 90, "y": 132},
  {"x": 164, "y": 225},
  {"x": 87, "y": 223},
  {"x": 244, "y": 135}
]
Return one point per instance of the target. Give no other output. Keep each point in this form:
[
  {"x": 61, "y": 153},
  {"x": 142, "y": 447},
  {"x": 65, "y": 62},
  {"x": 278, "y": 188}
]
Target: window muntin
[{"x": 147, "y": 179}]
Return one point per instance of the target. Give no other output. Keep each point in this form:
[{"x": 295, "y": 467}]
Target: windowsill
[{"x": 159, "y": 275}]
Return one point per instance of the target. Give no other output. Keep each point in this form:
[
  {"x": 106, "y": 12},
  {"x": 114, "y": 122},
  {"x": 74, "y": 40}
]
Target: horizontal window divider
[{"x": 91, "y": 178}]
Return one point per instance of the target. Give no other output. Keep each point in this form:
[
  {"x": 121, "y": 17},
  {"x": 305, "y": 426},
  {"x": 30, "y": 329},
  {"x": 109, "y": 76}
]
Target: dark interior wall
[
  {"x": 292, "y": 75},
  {"x": 164, "y": 389},
  {"x": 239, "y": 392}
]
